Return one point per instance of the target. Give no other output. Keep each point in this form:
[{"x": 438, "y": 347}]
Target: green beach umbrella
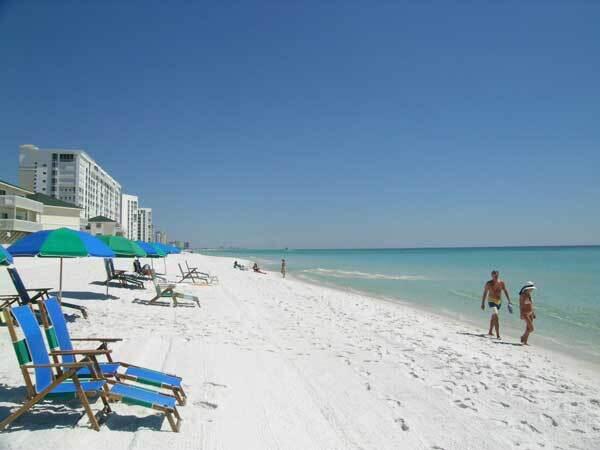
[
  {"x": 60, "y": 243},
  {"x": 153, "y": 251},
  {"x": 123, "y": 247},
  {"x": 5, "y": 257}
]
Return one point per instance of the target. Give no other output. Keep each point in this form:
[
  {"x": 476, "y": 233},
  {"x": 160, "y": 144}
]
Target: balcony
[
  {"x": 15, "y": 201},
  {"x": 19, "y": 225}
]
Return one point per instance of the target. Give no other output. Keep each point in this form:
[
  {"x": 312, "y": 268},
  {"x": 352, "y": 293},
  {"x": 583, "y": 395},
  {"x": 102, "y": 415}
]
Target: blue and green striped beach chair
[
  {"x": 32, "y": 355},
  {"x": 58, "y": 338}
]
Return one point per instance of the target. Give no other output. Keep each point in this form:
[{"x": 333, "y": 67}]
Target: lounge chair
[
  {"x": 32, "y": 354},
  {"x": 121, "y": 276},
  {"x": 58, "y": 338},
  {"x": 169, "y": 290},
  {"x": 191, "y": 276},
  {"x": 139, "y": 271},
  {"x": 40, "y": 293},
  {"x": 212, "y": 279}
]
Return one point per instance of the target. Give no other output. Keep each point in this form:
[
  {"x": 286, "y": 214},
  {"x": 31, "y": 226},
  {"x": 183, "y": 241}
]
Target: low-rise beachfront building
[
  {"x": 102, "y": 225},
  {"x": 23, "y": 212},
  {"x": 71, "y": 176},
  {"x": 19, "y": 215},
  {"x": 145, "y": 227},
  {"x": 129, "y": 216},
  {"x": 56, "y": 213}
]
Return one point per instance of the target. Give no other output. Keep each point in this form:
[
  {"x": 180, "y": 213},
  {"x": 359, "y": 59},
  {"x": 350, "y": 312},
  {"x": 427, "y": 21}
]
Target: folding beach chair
[
  {"x": 58, "y": 338},
  {"x": 40, "y": 293},
  {"x": 167, "y": 290},
  {"x": 32, "y": 354},
  {"x": 211, "y": 279},
  {"x": 190, "y": 275},
  {"x": 128, "y": 281},
  {"x": 139, "y": 271}
]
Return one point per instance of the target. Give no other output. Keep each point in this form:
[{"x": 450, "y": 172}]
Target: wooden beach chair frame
[
  {"x": 33, "y": 397},
  {"x": 41, "y": 293},
  {"x": 168, "y": 290},
  {"x": 211, "y": 279},
  {"x": 54, "y": 341},
  {"x": 118, "y": 392},
  {"x": 189, "y": 275}
]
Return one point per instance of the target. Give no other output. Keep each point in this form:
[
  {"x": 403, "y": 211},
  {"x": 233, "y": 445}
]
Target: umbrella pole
[
  {"x": 60, "y": 282},
  {"x": 165, "y": 261}
]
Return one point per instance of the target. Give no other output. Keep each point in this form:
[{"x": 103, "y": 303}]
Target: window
[
  {"x": 98, "y": 225},
  {"x": 2, "y": 192},
  {"x": 66, "y": 157}
]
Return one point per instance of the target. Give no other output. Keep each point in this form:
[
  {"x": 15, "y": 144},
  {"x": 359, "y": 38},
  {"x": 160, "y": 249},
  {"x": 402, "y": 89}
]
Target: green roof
[
  {"x": 50, "y": 201},
  {"x": 14, "y": 186},
  {"x": 100, "y": 219}
]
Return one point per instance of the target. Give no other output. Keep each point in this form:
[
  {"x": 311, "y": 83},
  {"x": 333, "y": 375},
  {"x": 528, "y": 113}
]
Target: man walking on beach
[
  {"x": 283, "y": 268},
  {"x": 493, "y": 292}
]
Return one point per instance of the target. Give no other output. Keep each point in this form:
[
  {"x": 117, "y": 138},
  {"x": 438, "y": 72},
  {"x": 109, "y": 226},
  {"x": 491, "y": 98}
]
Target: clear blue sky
[{"x": 325, "y": 124}]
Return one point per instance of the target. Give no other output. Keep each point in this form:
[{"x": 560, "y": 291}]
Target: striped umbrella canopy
[
  {"x": 60, "y": 243},
  {"x": 5, "y": 257},
  {"x": 123, "y": 247}
]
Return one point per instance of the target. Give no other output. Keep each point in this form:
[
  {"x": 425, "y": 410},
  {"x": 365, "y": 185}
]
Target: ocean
[{"x": 450, "y": 281}]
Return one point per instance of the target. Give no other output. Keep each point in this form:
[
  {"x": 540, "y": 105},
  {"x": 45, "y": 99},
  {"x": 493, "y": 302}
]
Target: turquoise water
[{"x": 451, "y": 281}]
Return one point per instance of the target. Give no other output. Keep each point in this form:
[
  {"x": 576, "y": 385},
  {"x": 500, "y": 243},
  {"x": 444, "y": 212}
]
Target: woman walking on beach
[
  {"x": 527, "y": 312},
  {"x": 283, "y": 268}
]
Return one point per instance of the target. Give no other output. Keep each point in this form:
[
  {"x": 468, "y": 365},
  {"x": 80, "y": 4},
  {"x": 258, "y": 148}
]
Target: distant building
[
  {"x": 145, "y": 227},
  {"x": 22, "y": 212},
  {"x": 177, "y": 244},
  {"x": 71, "y": 176},
  {"x": 102, "y": 225},
  {"x": 160, "y": 237},
  {"x": 186, "y": 245},
  {"x": 129, "y": 216}
]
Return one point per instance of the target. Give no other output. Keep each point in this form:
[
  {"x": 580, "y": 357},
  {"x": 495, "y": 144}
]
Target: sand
[{"x": 282, "y": 364}]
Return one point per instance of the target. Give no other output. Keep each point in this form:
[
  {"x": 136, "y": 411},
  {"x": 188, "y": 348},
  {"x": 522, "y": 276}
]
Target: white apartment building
[
  {"x": 129, "y": 216},
  {"x": 160, "y": 237},
  {"x": 145, "y": 227},
  {"x": 71, "y": 176}
]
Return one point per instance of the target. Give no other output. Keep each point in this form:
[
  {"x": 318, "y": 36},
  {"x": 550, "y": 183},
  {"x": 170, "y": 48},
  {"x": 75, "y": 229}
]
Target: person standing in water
[
  {"x": 283, "y": 268},
  {"x": 493, "y": 292},
  {"x": 527, "y": 312}
]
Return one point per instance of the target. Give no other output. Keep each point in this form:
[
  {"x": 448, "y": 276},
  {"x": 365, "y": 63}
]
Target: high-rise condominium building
[
  {"x": 71, "y": 176},
  {"x": 160, "y": 237},
  {"x": 129, "y": 216},
  {"x": 145, "y": 227}
]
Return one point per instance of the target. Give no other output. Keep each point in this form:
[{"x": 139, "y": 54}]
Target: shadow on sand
[
  {"x": 479, "y": 335},
  {"x": 55, "y": 414},
  {"x": 83, "y": 295}
]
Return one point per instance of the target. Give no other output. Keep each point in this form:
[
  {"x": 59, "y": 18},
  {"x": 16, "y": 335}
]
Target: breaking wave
[{"x": 361, "y": 275}]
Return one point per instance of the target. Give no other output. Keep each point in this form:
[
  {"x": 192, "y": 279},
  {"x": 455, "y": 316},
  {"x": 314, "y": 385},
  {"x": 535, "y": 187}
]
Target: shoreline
[
  {"x": 588, "y": 365},
  {"x": 545, "y": 343}
]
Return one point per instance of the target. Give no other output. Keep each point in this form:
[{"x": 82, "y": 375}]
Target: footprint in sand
[
  {"x": 213, "y": 384},
  {"x": 531, "y": 427},
  {"x": 402, "y": 423},
  {"x": 207, "y": 405},
  {"x": 554, "y": 422}
]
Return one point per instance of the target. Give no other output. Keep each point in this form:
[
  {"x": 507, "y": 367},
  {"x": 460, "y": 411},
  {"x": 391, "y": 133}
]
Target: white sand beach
[{"x": 281, "y": 364}]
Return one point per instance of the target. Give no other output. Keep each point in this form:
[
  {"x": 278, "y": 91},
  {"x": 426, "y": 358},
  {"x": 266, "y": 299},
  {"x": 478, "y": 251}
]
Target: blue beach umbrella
[
  {"x": 60, "y": 243},
  {"x": 5, "y": 257}
]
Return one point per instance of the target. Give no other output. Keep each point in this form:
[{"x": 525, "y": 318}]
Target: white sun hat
[{"x": 530, "y": 285}]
